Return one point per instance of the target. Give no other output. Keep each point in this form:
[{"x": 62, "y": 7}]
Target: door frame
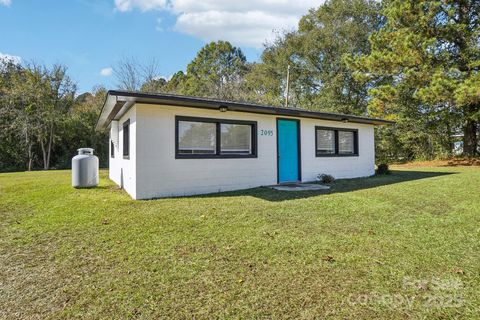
[{"x": 299, "y": 147}]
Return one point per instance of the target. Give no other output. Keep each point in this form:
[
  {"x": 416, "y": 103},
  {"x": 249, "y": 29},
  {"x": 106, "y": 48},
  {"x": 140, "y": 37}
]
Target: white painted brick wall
[{"x": 123, "y": 171}]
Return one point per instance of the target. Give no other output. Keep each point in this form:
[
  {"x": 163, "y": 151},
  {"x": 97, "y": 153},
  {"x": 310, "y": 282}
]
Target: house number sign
[{"x": 268, "y": 133}]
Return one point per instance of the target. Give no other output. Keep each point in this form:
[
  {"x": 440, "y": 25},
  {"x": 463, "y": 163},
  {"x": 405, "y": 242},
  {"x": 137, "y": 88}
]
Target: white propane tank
[{"x": 85, "y": 169}]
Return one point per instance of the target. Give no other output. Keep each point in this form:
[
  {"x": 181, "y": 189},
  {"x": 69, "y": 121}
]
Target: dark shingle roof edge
[{"x": 118, "y": 100}]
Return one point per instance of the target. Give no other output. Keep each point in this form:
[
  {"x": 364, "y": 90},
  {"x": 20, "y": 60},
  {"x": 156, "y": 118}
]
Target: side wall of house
[
  {"x": 122, "y": 170},
  {"x": 159, "y": 174},
  {"x": 114, "y": 163}
]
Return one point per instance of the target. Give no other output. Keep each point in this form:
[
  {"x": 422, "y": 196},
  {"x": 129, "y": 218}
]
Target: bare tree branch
[{"x": 132, "y": 75}]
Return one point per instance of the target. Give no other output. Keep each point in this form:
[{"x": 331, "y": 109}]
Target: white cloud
[
  {"x": 164, "y": 77},
  {"x": 5, "y": 2},
  {"x": 144, "y": 5},
  {"x": 273, "y": 6},
  {"x": 247, "y": 22},
  {"x": 106, "y": 72},
  {"x": 251, "y": 28},
  {"x": 9, "y": 57}
]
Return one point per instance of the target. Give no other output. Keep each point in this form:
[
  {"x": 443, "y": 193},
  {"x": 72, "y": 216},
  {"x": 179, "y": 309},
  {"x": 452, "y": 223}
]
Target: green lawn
[{"x": 399, "y": 246}]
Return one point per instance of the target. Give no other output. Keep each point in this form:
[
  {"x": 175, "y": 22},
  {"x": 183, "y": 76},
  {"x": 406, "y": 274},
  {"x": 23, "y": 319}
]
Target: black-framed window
[
  {"x": 112, "y": 149},
  {"x": 126, "y": 139},
  {"x": 214, "y": 138},
  {"x": 332, "y": 142}
]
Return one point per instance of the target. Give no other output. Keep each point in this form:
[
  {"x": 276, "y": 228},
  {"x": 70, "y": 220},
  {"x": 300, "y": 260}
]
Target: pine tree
[{"x": 425, "y": 63}]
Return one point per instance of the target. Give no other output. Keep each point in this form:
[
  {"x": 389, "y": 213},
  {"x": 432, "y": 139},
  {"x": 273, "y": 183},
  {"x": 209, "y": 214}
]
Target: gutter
[{"x": 116, "y": 100}]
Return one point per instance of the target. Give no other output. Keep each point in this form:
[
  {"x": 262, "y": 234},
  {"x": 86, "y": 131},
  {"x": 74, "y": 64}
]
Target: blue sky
[{"x": 89, "y": 36}]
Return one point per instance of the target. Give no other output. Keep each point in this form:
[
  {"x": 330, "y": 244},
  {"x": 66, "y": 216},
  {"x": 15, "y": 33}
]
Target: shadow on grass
[
  {"x": 342, "y": 185},
  {"x": 97, "y": 188}
]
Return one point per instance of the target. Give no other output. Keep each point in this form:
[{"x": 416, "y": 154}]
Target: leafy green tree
[
  {"x": 424, "y": 65},
  {"x": 16, "y": 131},
  {"x": 265, "y": 83},
  {"x": 216, "y": 71},
  {"x": 176, "y": 83},
  {"x": 154, "y": 85},
  {"x": 58, "y": 98},
  {"x": 35, "y": 102},
  {"x": 23, "y": 96},
  {"x": 79, "y": 129}
]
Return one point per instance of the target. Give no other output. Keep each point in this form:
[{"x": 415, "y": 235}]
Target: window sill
[
  {"x": 126, "y": 157},
  {"x": 336, "y": 155},
  {"x": 214, "y": 156}
]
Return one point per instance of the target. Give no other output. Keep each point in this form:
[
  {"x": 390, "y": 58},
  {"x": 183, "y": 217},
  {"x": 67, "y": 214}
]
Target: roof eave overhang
[{"x": 118, "y": 102}]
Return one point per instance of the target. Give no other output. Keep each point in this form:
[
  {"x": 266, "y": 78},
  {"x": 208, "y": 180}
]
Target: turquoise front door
[{"x": 288, "y": 150}]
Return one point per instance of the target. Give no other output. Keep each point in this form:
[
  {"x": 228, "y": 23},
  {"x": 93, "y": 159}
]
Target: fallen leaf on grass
[
  {"x": 328, "y": 259},
  {"x": 136, "y": 312},
  {"x": 458, "y": 271}
]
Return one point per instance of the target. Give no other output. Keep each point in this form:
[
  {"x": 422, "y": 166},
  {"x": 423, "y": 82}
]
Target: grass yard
[{"x": 401, "y": 246}]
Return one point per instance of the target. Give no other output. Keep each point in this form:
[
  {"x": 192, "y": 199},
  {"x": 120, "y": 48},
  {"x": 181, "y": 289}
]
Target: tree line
[
  {"x": 42, "y": 121},
  {"x": 414, "y": 62}
]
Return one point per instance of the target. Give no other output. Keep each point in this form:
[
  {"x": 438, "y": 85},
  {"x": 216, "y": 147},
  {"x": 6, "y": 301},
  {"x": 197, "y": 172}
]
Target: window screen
[
  {"x": 346, "y": 140},
  {"x": 235, "y": 139},
  {"x": 196, "y": 137},
  {"x": 325, "y": 141}
]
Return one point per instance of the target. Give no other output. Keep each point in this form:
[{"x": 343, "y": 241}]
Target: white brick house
[{"x": 168, "y": 145}]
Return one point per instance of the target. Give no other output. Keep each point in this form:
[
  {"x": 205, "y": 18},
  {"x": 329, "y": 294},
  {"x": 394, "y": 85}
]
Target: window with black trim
[
  {"x": 112, "y": 149},
  {"x": 126, "y": 139},
  {"x": 331, "y": 142},
  {"x": 214, "y": 138}
]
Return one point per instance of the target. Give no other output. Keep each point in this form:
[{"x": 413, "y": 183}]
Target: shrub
[
  {"x": 383, "y": 169},
  {"x": 325, "y": 178}
]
